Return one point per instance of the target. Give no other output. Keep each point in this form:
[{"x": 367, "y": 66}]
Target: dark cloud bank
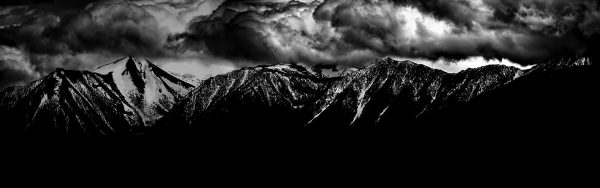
[
  {"x": 341, "y": 31},
  {"x": 38, "y": 37}
]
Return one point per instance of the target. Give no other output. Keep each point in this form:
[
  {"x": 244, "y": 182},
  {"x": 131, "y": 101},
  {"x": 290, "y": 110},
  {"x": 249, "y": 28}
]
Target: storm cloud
[
  {"x": 351, "y": 31},
  {"x": 95, "y": 34},
  {"x": 36, "y": 38}
]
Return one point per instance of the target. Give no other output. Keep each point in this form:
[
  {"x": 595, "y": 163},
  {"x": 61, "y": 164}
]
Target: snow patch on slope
[{"x": 149, "y": 89}]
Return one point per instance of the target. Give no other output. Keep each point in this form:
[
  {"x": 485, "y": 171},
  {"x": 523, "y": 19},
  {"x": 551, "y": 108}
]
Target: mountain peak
[
  {"x": 563, "y": 63},
  {"x": 284, "y": 68},
  {"x": 151, "y": 90},
  {"x": 115, "y": 98},
  {"x": 582, "y": 61},
  {"x": 570, "y": 61},
  {"x": 131, "y": 64},
  {"x": 388, "y": 61},
  {"x": 137, "y": 65},
  {"x": 58, "y": 73},
  {"x": 388, "y": 65}
]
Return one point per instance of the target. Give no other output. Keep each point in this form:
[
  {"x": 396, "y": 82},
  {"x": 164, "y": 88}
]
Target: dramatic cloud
[
  {"x": 96, "y": 34},
  {"x": 15, "y": 67},
  {"x": 449, "y": 34},
  {"x": 113, "y": 26},
  {"x": 351, "y": 31},
  {"x": 174, "y": 16},
  {"x": 268, "y": 32},
  {"x": 455, "y": 66}
]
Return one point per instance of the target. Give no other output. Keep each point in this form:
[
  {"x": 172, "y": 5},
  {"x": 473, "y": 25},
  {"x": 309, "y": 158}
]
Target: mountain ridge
[
  {"x": 370, "y": 96},
  {"x": 69, "y": 102},
  {"x": 132, "y": 96},
  {"x": 278, "y": 89},
  {"x": 416, "y": 85}
]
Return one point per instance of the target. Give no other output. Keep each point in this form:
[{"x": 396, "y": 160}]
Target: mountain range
[{"x": 136, "y": 97}]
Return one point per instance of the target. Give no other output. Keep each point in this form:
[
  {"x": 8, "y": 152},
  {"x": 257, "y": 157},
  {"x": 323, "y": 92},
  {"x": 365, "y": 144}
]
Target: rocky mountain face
[
  {"x": 132, "y": 96},
  {"x": 387, "y": 93},
  {"x": 120, "y": 98},
  {"x": 68, "y": 103},
  {"x": 555, "y": 97},
  {"x": 150, "y": 90},
  {"x": 401, "y": 92},
  {"x": 264, "y": 96}
]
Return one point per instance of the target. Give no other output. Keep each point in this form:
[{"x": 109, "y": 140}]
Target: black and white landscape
[{"x": 186, "y": 67}]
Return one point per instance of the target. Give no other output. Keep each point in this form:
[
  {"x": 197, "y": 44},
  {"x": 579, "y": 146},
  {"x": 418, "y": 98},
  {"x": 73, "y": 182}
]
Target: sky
[{"x": 211, "y": 37}]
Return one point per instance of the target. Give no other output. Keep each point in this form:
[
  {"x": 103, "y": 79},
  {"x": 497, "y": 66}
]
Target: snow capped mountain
[
  {"x": 149, "y": 89},
  {"x": 267, "y": 95},
  {"x": 401, "y": 89},
  {"x": 119, "y": 98},
  {"x": 387, "y": 93},
  {"x": 395, "y": 94}
]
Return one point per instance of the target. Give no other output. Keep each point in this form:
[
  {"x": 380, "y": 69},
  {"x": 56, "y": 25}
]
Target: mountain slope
[
  {"x": 67, "y": 103},
  {"x": 120, "y": 98},
  {"x": 400, "y": 92},
  {"x": 264, "y": 96},
  {"x": 293, "y": 96},
  {"x": 556, "y": 96},
  {"x": 387, "y": 93},
  {"x": 149, "y": 89},
  {"x": 127, "y": 96},
  {"x": 402, "y": 95}
]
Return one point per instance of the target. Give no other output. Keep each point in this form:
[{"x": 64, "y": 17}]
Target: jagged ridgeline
[
  {"x": 128, "y": 96},
  {"x": 387, "y": 93},
  {"x": 119, "y": 98}
]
